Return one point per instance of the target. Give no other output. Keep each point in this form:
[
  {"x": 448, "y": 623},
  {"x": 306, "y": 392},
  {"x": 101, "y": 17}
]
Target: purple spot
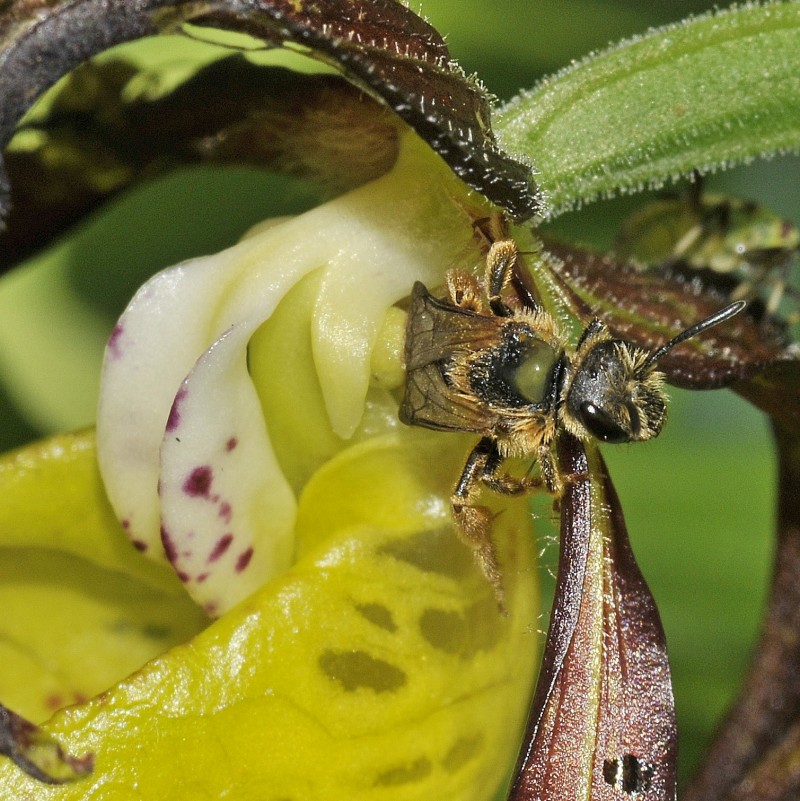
[
  {"x": 244, "y": 560},
  {"x": 210, "y": 608},
  {"x": 139, "y": 545},
  {"x": 201, "y": 578},
  {"x": 199, "y": 482},
  {"x": 169, "y": 546},
  {"x": 126, "y": 524},
  {"x": 225, "y": 511},
  {"x": 184, "y": 577},
  {"x": 231, "y": 444},
  {"x": 113, "y": 341},
  {"x": 174, "y": 419},
  {"x": 222, "y": 545}
]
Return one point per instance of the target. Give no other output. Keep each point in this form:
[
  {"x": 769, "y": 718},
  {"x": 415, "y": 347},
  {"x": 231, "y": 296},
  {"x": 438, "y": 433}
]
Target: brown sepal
[
  {"x": 602, "y": 723},
  {"x": 650, "y": 307},
  {"x": 381, "y": 46},
  {"x": 97, "y": 141}
]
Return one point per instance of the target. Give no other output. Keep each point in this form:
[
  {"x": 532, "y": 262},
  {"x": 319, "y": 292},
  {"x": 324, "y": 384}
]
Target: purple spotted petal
[
  {"x": 182, "y": 443},
  {"x": 171, "y": 321},
  {"x": 227, "y": 512}
]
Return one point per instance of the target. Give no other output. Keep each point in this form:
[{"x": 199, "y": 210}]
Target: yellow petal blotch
[{"x": 378, "y": 667}]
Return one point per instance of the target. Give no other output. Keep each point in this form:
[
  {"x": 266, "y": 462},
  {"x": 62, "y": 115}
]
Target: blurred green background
[{"x": 699, "y": 500}]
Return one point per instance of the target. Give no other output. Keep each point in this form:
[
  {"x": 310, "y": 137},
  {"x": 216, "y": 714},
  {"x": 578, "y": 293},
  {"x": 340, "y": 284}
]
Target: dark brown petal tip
[
  {"x": 37, "y": 753},
  {"x": 381, "y": 46},
  {"x": 649, "y": 307}
]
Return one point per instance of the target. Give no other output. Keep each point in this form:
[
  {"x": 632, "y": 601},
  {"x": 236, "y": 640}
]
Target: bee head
[{"x": 616, "y": 394}]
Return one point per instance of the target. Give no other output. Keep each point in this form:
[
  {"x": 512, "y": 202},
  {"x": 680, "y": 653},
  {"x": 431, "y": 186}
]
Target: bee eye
[{"x": 600, "y": 423}]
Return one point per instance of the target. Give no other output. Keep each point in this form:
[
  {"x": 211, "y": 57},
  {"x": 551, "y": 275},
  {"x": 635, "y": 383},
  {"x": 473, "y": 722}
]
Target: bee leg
[
  {"x": 464, "y": 290},
  {"x": 551, "y": 475},
  {"x": 475, "y": 522},
  {"x": 684, "y": 245},
  {"x": 505, "y": 484},
  {"x": 780, "y": 283},
  {"x": 491, "y": 229},
  {"x": 500, "y": 263}
]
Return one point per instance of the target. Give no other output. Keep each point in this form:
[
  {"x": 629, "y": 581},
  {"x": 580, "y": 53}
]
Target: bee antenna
[{"x": 715, "y": 319}]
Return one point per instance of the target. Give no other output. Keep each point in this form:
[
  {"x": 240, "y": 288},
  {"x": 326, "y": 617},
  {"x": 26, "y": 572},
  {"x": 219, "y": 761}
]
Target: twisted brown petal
[
  {"x": 649, "y": 307},
  {"x": 37, "y": 753},
  {"x": 602, "y": 724},
  {"x": 380, "y": 46},
  {"x": 756, "y": 753}
]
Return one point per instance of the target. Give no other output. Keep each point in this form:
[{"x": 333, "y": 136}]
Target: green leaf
[{"x": 705, "y": 93}]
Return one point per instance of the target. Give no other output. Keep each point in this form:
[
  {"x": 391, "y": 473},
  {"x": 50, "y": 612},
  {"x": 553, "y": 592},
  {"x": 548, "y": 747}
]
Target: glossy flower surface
[{"x": 249, "y": 441}]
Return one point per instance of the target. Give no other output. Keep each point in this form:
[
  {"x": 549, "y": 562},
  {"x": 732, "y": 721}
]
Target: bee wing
[
  {"x": 431, "y": 403},
  {"x": 436, "y": 336},
  {"x": 438, "y": 331}
]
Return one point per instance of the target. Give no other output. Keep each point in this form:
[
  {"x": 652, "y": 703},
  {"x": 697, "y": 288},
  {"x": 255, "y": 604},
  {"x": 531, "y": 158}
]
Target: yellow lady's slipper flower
[{"x": 249, "y": 441}]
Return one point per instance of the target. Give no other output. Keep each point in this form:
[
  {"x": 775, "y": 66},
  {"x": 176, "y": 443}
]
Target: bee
[
  {"x": 475, "y": 363},
  {"x": 724, "y": 236}
]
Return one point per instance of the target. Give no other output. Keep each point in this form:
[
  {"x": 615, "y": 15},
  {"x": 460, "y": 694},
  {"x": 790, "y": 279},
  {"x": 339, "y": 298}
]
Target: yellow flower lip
[
  {"x": 376, "y": 664},
  {"x": 84, "y": 609}
]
